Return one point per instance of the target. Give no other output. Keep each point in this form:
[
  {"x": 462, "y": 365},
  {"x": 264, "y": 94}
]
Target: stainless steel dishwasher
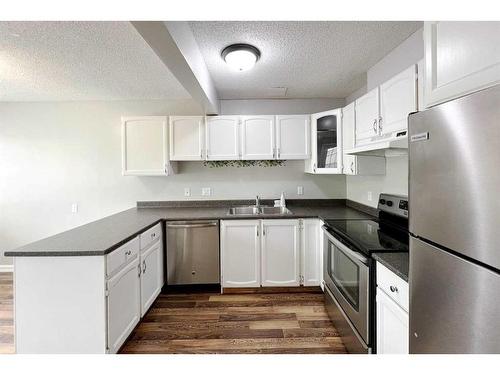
[{"x": 192, "y": 252}]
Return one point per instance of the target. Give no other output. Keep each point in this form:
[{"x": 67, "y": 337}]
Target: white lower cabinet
[
  {"x": 392, "y": 313},
  {"x": 240, "y": 253},
  {"x": 151, "y": 275},
  {"x": 270, "y": 253},
  {"x": 311, "y": 252},
  {"x": 280, "y": 253},
  {"x": 124, "y": 310}
]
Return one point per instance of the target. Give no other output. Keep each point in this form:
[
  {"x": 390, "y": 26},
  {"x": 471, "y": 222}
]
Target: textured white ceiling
[
  {"x": 45, "y": 61},
  {"x": 310, "y": 59}
]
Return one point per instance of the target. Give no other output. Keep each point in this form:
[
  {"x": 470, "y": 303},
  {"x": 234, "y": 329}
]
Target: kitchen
[{"x": 194, "y": 208}]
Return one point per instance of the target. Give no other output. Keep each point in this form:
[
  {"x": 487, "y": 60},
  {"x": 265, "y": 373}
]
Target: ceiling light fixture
[{"x": 240, "y": 57}]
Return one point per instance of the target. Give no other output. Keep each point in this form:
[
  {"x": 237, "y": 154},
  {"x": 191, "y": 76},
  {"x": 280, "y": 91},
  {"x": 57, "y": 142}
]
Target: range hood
[{"x": 387, "y": 146}]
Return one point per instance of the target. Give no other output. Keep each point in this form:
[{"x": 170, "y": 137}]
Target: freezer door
[
  {"x": 455, "y": 175},
  {"x": 454, "y": 304}
]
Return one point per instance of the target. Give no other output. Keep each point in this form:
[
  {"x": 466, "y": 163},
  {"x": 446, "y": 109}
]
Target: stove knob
[
  {"x": 382, "y": 201},
  {"x": 389, "y": 203}
]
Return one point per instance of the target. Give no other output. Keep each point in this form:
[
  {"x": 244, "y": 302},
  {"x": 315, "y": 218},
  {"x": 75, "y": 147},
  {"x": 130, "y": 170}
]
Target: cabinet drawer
[
  {"x": 121, "y": 256},
  {"x": 150, "y": 236},
  {"x": 394, "y": 286}
]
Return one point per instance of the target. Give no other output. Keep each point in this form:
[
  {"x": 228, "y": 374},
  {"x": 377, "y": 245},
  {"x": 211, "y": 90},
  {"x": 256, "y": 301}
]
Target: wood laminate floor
[
  {"x": 6, "y": 314},
  {"x": 255, "y": 323}
]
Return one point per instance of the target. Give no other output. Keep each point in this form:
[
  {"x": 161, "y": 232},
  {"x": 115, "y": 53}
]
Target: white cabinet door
[
  {"x": 186, "y": 137},
  {"x": 222, "y": 140},
  {"x": 326, "y": 143},
  {"x": 280, "y": 253},
  {"x": 257, "y": 137},
  {"x": 152, "y": 275},
  {"x": 398, "y": 98},
  {"x": 460, "y": 58},
  {"x": 366, "y": 116},
  {"x": 144, "y": 146},
  {"x": 240, "y": 253},
  {"x": 310, "y": 252},
  {"x": 292, "y": 137},
  {"x": 348, "y": 136},
  {"x": 124, "y": 309},
  {"x": 392, "y": 326}
]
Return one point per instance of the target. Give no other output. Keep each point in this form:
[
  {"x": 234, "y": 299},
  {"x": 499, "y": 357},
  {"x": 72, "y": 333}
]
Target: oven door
[{"x": 346, "y": 274}]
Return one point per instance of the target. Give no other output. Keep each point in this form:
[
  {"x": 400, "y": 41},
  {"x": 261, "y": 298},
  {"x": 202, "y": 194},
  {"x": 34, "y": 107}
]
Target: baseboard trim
[
  {"x": 6, "y": 268},
  {"x": 267, "y": 289}
]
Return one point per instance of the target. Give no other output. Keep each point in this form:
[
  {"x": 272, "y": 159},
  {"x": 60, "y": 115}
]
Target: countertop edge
[{"x": 379, "y": 258}]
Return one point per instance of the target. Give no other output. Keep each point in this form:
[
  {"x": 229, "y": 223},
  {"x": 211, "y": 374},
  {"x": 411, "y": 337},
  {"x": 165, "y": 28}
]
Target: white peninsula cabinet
[
  {"x": 270, "y": 253},
  {"x": 392, "y": 312},
  {"x": 141, "y": 134},
  {"x": 86, "y": 304},
  {"x": 460, "y": 58}
]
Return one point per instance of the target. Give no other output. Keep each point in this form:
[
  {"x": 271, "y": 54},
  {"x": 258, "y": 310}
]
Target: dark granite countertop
[
  {"x": 105, "y": 235},
  {"x": 396, "y": 262}
]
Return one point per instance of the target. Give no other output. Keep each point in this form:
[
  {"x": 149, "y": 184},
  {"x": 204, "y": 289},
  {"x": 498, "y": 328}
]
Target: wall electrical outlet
[
  {"x": 370, "y": 196},
  {"x": 300, "y": 190},
  {"x": 74, "y": 208},
  {"x": 187, "y": 192},
  {"x": 206, "y": 191}
]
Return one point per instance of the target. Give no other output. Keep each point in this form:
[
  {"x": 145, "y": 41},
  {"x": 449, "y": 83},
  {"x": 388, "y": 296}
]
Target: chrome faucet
[{"x": 257, "y": 202}]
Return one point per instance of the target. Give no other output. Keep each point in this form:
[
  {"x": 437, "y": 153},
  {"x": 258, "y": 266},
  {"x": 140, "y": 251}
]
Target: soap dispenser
[{"x": 282, "y": 200}]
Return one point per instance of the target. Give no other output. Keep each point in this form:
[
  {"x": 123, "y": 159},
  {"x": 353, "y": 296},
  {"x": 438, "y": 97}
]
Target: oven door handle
[{"x": 353, "y": 254}]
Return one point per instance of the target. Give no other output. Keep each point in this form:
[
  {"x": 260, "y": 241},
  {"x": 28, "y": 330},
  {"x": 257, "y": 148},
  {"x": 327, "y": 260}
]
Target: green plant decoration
[{"x": 243, "y": 163}]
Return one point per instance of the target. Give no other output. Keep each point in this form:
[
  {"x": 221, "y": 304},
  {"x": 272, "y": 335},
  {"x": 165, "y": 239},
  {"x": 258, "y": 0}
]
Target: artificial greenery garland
[{"x": 243, "y": 163}]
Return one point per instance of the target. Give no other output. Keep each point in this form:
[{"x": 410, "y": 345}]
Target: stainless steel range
[{"x": 349, "y": 268}]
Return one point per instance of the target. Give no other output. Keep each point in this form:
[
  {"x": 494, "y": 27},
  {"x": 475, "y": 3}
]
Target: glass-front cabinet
[{"x": 326, "y": 143}]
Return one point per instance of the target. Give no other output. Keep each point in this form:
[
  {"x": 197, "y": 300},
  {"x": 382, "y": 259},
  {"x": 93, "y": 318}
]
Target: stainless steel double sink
[{"x": 255, "y": 211}]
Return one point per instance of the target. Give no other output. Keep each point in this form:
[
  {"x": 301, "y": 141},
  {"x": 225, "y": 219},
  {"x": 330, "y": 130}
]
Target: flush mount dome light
[{"x": 240, "y": 57}]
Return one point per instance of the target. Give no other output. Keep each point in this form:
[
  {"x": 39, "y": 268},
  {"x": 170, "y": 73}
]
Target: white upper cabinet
[
  {"x": 222, "y": 138},
  {"x": 367, "y": 113},
  {"x": 460, "y": 58},
  {"x": 348, "y": 137},
  {"x": 280, "y": 253},
  {"x": 292, "y": 137},
  {"x": 326, "y": 143},
  {"x": 145, "y": 133},
  {"x": 186, "y": 137},
  {"x": 398, "y": 98},
  {"x": 240, "y": 253},
  {"x": 257, "y": 137}
]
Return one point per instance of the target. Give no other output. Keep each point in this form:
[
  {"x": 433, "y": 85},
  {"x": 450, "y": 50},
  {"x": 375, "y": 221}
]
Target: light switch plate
[
  {"x": 74, "y": 208},
  {"x": 187, "y": 192},
  {"x": 300, "y": 190},
  {"x": 206, "y": 191},
  {"x": 370, "y": 197}
]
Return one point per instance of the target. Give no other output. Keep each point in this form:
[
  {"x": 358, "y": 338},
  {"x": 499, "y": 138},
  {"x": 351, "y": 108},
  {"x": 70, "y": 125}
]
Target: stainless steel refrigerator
[{"x": 454, "y": 156}]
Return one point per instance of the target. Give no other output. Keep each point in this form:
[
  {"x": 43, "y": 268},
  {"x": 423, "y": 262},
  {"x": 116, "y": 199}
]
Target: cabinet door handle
[
  {"x": 352, "y": 167},
  {"x": 128, "y": 252},
  {"x": 375, "y": 126},
  {"x": 153, "y": 235},
  {"x": 279, "y": 153},
  {"x": 314, "y": 167},
  {"x": 257, "y": 231},
  {"x": 393, "y": 289},
  {"x": 380, "y": 124},
  {"x": 143, "y": 266},
  {"x": 139, "y": 269}
]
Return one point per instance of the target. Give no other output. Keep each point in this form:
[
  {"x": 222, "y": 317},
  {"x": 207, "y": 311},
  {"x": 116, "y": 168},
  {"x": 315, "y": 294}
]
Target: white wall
[
  {"x": 396, "y": 177},
  {"x": 278, "y": 106},
  {"x": 54, "y": 154}
]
